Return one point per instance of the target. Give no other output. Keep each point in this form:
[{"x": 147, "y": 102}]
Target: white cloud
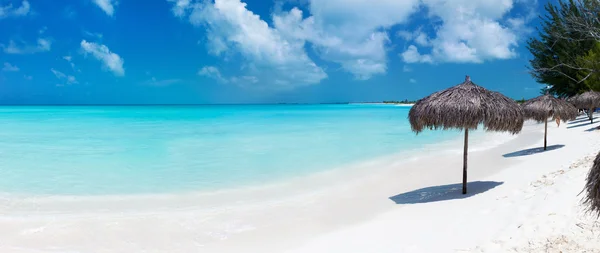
[
  {"x": 10, "y": 11},
  {"x": 351, "y": 34},
  {"x": 412, "y": 80},
  {"x": 108, "y": 6},
  {"x": 418, "y": 36},
  {"x": 58, "y": 74},
  {"x": 406, "y": 69},
  {"x": 154, "y": 82},
  {"x": 112, "y": 61},
  {"x": 354, "y": 34},
  {"x": 471, "y": 31},
  {"x": 10, "y": 68},
  {"x": 69, "y": 59},
  {"x": 214, "y": 73},
  {"x": 347, "y": 33},
  {"x": 406, "y": 35},
  {"x": 421, "y": 39},
  {"x": 231, "y": 29},
  {"x": 67, "y": 79},
  {"x": 92, "y": 34},
  {"x": 412, "y": 55},
  {"x": 43, "y": 45},
  {"x": 180, "y": 7}
]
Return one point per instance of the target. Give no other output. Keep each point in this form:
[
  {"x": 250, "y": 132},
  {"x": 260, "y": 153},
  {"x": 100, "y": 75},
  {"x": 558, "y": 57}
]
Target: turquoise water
[{"x": 156, "y": 149}]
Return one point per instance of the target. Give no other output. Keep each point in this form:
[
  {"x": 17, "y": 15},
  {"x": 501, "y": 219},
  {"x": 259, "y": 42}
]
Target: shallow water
[{"x": 92, "y": 150}]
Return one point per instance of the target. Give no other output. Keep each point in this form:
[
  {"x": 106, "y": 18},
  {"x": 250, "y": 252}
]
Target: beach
[{"x": 519, "y": 200}]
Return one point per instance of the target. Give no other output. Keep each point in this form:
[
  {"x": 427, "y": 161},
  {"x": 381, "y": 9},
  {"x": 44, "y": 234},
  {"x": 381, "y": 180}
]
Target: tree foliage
[
  {"x": 591, "y": 61},
  {"x": 563, "y": 46}
]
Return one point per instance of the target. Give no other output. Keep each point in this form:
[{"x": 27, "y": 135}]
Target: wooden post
[
  {"x": 464, "y": 188},
  {"x": 545, "y": 132}
]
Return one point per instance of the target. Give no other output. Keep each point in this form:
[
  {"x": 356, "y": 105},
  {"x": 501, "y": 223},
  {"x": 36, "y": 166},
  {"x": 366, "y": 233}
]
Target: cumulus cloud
[
  {"x": 180, "y": 7},
  {"x": 418, "y": 36},
  {"x": 412, "y": 55},
  {"x": 10, "y": 68},
  {"x": 232, "y": 29},
  {"x": 354, "y": 34},
  {"x": 11, "y": 11},
  {"x": 351, "y": 34},
  {"x": 65, "y": 79},
  {"x": 422, "y": 39},
  {"x": 347, "y": 33},
  {"x": 13, "y": 47},
  {"x": 108, "y": 6},
  {"x": 470, "y": 31},
  {"x": 110, "y": 60},
  {"x": 406, "y": 68},
  {"x": 412, "y": 80}
]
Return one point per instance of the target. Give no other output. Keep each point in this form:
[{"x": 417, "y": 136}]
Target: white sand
[{"x": 516, "y": 204}]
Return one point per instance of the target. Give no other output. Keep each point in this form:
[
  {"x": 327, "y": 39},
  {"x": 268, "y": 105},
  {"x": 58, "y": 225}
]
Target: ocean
[{"x": 105, "y": 150}]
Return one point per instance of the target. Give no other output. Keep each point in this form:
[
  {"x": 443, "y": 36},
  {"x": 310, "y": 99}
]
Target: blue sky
[{"x": 260, "y": 51}]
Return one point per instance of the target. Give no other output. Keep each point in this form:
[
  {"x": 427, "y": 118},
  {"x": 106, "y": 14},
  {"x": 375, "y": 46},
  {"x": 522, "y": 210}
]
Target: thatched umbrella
[
  {"x": 465, "y": 106},
  {"x": 592, "y": 187},
  {"x": 545, "y": 106},
  {"x": 587, "y": 100}
]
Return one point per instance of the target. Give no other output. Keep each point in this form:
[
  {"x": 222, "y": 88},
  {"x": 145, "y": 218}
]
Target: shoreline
[
  {"x": 479, "y": 141},
  {"x": 331, "y": 213}
]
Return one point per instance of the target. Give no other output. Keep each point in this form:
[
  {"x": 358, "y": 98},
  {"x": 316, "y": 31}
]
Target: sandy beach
[{"x": 520, "y": 200}]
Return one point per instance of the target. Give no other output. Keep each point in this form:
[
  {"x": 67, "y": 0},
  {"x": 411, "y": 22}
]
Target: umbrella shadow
[
  {"x": 580, "y": 120},
  {"x": 580, "y": 125},
  {"x": 444, "y": 192},
  {"x": 532, "y": 151},
  {"x": 593, "y": 129}
]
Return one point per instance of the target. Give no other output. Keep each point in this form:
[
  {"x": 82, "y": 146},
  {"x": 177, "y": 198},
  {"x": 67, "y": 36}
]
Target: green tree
[
  {"x": 559, "y": 46},
  {"x": 590, "y": 62}
]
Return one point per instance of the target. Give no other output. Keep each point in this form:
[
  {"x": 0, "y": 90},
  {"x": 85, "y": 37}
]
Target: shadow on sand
[
  {"x": 580, "y": 120},
  {"x": 580, "y": 125},
  {"x": 532, "y": 151},
  {"x": 444, "y": 192},
  {"x": 593, "y": 129}
]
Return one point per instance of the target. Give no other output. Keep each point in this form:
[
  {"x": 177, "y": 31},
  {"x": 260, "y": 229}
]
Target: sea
[{"x": 106, "y": 150}]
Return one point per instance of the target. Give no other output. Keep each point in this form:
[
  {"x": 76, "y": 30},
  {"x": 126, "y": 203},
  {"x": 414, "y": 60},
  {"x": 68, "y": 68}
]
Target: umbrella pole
[
  {"x": 464, "y": 187},
  {"x": 545, "y": 132},
  {"x": 591, "y": 115}
]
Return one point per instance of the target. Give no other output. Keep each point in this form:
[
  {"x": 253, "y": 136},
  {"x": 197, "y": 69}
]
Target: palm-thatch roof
[
  {"x": 592, "y": 187},
  {"x": 586, "y": 100},
  {"x": 545, "y": 106},
  {"x": 465, "y": 106},
  {"x": 572, "y": 99}
]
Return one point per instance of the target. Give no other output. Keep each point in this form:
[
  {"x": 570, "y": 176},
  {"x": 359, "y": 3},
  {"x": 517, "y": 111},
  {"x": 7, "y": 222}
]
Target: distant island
[
  {"x": 405, "y": 101},
  {"x": 402, "y": 102}
]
